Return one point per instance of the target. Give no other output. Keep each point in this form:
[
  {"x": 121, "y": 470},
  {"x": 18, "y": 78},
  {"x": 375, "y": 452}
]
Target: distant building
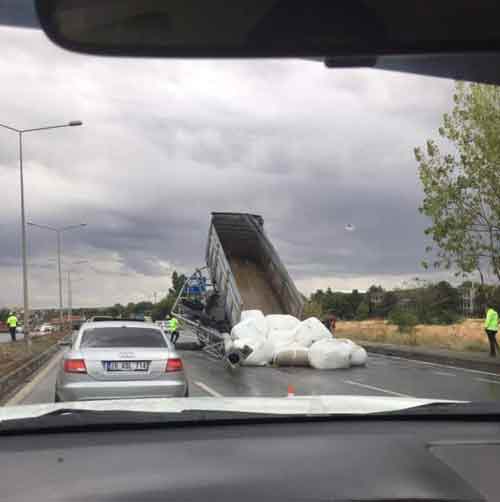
[
  {"x": 469, "y": 296},
  {"x": 376, "y": 298}
]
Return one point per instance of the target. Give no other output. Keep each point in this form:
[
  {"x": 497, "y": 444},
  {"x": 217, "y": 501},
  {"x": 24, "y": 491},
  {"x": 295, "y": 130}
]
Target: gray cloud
[{"x": 164, "y": 143}]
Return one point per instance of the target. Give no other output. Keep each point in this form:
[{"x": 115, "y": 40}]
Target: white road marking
[
  {"x": 208, "y": 389},
  {"x": 488, "y": 381},
  {"x": 437, "y": 365},
  {"x": 30, "y": 386},
  {"x": 443, "y": 373},
  {"x": 350, "y": 382}
]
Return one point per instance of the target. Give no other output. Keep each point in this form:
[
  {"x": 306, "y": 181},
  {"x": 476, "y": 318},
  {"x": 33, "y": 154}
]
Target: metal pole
[
  {"x": 20, "y": 132},
  {"x": 61, "y": 319},
  {"x": 70, "y": 303},
  {"x": 23, "y": 246}
]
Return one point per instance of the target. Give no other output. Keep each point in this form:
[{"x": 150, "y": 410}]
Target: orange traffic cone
[{"x": 291, "y": 391}]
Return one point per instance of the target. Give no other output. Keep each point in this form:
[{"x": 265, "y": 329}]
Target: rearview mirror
[{"x": 272, "y": 28}]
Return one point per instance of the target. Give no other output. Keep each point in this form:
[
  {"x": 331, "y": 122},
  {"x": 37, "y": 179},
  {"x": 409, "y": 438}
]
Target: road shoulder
[
  {"x": 25, "y": 389},
  {"x": 481, "y": 362}
]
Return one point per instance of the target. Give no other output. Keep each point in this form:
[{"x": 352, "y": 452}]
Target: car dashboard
[{"x": 335, "y": 460}]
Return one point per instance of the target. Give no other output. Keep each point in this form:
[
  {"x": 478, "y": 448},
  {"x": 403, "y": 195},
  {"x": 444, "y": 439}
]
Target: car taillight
[
  {"x": 75, "y": 366},
  {"x": 174, "y": 364}
]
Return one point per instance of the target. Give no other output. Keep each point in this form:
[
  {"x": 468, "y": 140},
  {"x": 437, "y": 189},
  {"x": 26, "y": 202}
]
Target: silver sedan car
[{"x": 120, "y": 359}]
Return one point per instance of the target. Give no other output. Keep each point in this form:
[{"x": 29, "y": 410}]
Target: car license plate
[{"x": 126, "y": 365}]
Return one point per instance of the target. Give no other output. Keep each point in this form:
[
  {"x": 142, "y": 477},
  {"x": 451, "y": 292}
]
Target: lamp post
[
  {"x": 58, "y": 231},
  {"x": 70, "y": 293},
  {"x": 20, "y": 133}
]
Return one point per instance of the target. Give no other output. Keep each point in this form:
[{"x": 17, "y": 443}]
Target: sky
[{"x": 166, "y": 142}]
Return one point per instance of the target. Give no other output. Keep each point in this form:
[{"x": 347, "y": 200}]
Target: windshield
[
  {"x": 122, "y": 337},
  {"x": 285, "y": 229}
]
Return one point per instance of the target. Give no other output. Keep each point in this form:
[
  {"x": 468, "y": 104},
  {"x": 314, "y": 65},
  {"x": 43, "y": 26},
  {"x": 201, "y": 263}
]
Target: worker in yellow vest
[
  {"x": 174, "y": 329},
  {"x": 491, "y": 328},
  {"x": 12, "y": 324}
]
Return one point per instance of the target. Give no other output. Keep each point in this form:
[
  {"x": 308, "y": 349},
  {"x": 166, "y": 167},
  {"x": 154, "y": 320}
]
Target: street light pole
[
  {"x": 58, "y": 231},
  {"x": 70, "y": 294},
  {"x": 59, "y": 274},
  {"x": 26, "y": 328},
  {"x": 20, "y": 133},
  {"x": 70, "y": 302}
]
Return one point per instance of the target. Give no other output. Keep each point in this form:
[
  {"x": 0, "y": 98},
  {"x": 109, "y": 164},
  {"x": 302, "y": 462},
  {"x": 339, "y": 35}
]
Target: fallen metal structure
[{"x": 217, "y": 345}]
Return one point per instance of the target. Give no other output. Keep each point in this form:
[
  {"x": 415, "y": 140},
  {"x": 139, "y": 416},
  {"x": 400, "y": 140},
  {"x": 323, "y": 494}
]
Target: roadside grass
[
  {"x": 466, "y": 336},
  {"x": 13, "y": 355}
]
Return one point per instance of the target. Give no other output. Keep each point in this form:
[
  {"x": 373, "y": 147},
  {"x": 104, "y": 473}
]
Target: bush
[
  {"x": 403, "y": 319},
  {"x": 312, "y": 308},
  {"x": 446, "y": 317},
  {"x": 362, "y": 311}
]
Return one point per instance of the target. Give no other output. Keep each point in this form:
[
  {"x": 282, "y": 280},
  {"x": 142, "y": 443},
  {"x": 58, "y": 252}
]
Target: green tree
[
  {"x": 436, "y": 303},
  {"x": 4, "y": 313},
  {"x": 130, "y": 309},
  {"x": 312, "y": 308},
  {"x": 362, "y": 311},
  {"x": 116, "y": 310},
  {"x": 355, "y": 298},
  {"x": 343, "y": 305},
  {"x": 389, "y": 301},
  {"x": 178, "y": 281},
  {"x": 163, "y": 308},
  {"x": 404, "y": 320},
  {"x": 141, "y": 307},
  {"x": 462, "y": 184}
]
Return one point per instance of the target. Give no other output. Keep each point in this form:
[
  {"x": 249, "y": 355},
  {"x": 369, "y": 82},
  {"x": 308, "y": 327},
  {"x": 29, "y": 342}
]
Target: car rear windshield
[{"x": 122, "y": 337}]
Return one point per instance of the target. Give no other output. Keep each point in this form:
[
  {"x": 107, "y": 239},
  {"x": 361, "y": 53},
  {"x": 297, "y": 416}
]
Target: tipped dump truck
[{"x": 246, "y": 271}]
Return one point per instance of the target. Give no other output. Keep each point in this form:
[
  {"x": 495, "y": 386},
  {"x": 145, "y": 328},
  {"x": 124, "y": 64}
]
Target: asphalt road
[
  {"x": 5, "y": 337},
  {"x": 383, "y": 376}
]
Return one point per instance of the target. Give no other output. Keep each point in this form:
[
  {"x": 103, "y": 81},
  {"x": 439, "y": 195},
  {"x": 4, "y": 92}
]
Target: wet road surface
[{"x": 383, "y": 376}]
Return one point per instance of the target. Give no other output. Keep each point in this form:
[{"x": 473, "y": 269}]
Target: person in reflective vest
[
  {"x": 174, "y": 330},
  {"x": 12, "y": 324},
  {"x": 491, "y": 328}
]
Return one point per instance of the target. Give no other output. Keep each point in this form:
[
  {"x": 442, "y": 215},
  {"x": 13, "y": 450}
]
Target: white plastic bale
[
  {"x": 311, "y": 330},
  {"x": 238, "y": 344},
  {"x": 346, "y": 341},
  {"x": 261, "y": 355},
  {"x": 292, "y": 355},
  {"x": 359, "y": 356},
  {"x": 282, "y": 338},
  {"x": 330, "y": 355},
  {"x": 249, "y": 329},
  {"x": 281, "y": 322}
]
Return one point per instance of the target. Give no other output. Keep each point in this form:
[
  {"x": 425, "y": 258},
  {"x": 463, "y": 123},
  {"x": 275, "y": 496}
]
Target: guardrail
[{"x": 15, "y": 378}]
